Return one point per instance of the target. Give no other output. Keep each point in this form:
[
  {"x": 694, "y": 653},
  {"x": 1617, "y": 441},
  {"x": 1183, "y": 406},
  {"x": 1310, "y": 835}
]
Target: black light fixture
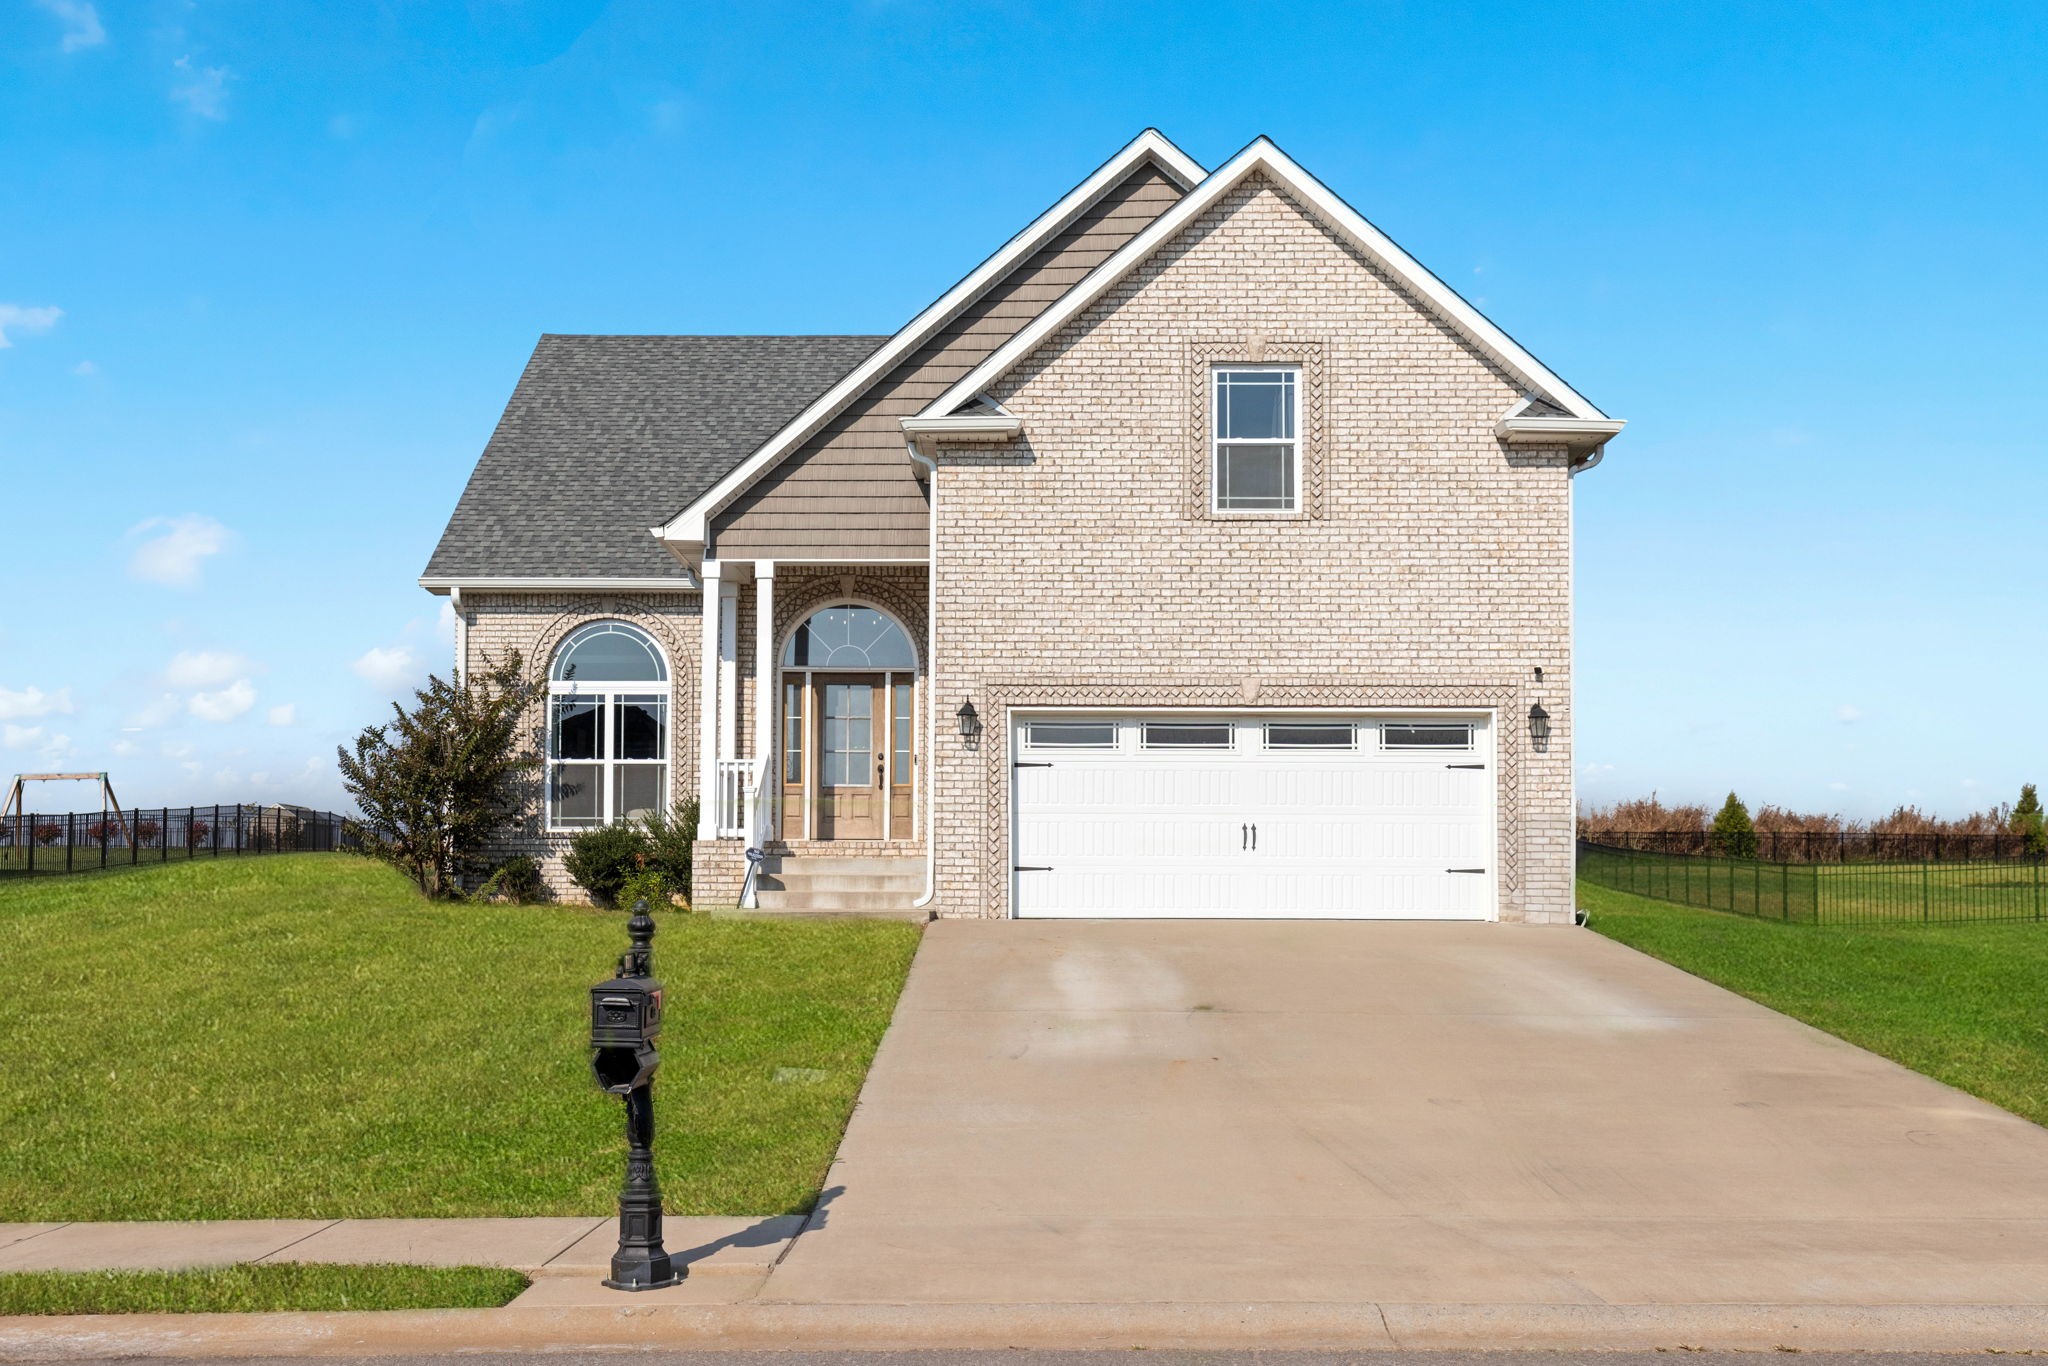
[
  {"x": 970, "y": 722},
  {"x": 1539, "y": 724}
]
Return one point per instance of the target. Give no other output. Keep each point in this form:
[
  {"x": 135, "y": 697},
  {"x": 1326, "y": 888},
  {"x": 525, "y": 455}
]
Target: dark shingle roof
[{"x": 607, "y": 436}]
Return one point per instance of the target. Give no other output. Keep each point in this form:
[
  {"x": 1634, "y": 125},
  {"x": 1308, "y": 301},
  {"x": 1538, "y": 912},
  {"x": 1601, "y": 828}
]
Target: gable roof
[
  {"x": 1262, "y": 156},
  {"x": 603, "y": 433},
  {"x": 688, "y": 527}
]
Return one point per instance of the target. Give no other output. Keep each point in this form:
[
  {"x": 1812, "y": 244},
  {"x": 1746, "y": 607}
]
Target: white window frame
[
  {"x": 605, "y": 695},
  {"x": 1217, "y": 441}
]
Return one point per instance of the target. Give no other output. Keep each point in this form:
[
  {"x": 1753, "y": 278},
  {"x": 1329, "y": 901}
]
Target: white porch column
[
  {"x": 765, "y": 699},
  {"x": 728, "y": 669},
  {"x": 707, "y": 703}
]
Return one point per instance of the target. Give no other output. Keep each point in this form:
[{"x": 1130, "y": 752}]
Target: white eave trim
[
  {"x": 691, "y": 525},
  {"x": 1346, "y": 221},
  {"x": 588, "y": 584},
  {"x": 1557, "y": 431},
  {"x": 927, "y": 432}
]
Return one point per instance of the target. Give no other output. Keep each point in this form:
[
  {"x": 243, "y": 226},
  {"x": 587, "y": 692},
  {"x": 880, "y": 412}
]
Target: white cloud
[
  {"x": 15, "y": 706},
  {"x": 1838, "y": 786},
  {"x": 123, "y": 748},
  {"x": 85, "y": 369},
  {"x": 176, "y": 749},
  {"x": 153, "y": 713},
  {"x": 444, "y": 623},
  {"x": 81, "y": 21},
  {"x": 203, "y": 89},
  {"x": 1848, "y": 715},
  {"x": 389, "y": 667},
  {"x": 282, "y": 715},
  {"x": 174, "y": 557},
  {"x": 23, "y": 318},
  {"x": 53, "y": 748},
  {"x": 224, "y": 705},
  {"x": 204, "y": 668}
]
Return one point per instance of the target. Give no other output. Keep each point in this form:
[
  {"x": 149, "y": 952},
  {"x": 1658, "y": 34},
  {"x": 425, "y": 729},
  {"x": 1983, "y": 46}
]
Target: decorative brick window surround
[{"x": 1203, "y": 358}]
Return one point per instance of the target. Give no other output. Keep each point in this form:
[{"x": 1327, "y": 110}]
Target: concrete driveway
[{"x": 1418, "y": 1113}]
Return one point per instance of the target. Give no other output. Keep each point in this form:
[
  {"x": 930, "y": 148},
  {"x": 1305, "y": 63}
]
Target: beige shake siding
[
  {"x": 1074, "y": 567},
  {"x": 849, "y": 490}
]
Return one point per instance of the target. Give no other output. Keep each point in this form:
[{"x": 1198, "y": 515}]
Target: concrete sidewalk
[{"x": 568, "y": 1248}]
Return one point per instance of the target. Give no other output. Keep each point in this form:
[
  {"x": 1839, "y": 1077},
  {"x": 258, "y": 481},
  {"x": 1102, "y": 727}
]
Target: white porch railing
[
  {"x": 736, "y": 787},
  {"x": 742, "y": 799}
]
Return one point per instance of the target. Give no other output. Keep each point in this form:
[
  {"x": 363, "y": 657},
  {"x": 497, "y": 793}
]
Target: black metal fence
[
  {"x": 79, "y": 841},
  {"x": 1889, "y": 891}
]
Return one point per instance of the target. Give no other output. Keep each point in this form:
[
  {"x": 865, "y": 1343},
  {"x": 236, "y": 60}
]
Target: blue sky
[{"x": 268, "y": 272}]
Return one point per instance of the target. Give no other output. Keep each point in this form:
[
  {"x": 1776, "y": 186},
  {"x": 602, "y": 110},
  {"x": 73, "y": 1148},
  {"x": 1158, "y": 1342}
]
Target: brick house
[{"x": 1199, "y": 554}]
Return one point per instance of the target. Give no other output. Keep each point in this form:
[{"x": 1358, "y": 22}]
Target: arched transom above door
[{"x": 849, "y": 636}]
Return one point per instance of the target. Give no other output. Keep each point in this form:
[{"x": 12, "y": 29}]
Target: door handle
[
  {"x": 1255, "y": 837},
  {"x": 1243, "y": 837}
]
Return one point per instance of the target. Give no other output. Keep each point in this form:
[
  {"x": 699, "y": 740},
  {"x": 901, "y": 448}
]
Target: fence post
[
  {"x": 30, "y": 843},
  {"x": 2037, "y": 886},
  {"x": 1926, "y": 894},
  {"x": 163, "y": 835},
  {"x": 213, "y": 833},
  {"x": 70, "y": 837}
]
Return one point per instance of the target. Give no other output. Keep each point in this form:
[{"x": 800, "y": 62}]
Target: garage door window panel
[
  {"x": 1304, "y": 735},
  {"x": 1189, "y": 735},
  {"x": 1426, "y": 736},
  {"x": 1070, "y": 734}
]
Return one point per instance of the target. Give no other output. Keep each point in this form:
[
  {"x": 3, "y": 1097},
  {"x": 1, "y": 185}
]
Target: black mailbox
[{"x": 625, "y": 1020}]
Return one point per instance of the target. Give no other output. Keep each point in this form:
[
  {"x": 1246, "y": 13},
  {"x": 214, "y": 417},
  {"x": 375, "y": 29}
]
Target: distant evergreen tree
[
  {"x": 1734, "y": 835},
  {"x": 2027, "y": 821}
]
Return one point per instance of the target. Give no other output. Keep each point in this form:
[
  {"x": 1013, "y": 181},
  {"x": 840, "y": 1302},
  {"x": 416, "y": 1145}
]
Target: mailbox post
[{"x": 625, "y": 1020}]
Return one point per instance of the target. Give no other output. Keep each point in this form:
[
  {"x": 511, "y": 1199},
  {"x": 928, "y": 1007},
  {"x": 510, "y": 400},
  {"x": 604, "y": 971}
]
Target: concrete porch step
[{"x": 841, "y": 884}]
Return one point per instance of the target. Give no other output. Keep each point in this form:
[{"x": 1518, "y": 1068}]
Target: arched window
[
  {"x": 849, "y": 637},
  {"x": 608, "y": 696}
]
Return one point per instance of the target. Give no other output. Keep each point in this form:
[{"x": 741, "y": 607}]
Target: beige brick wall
[
  {"x": 534, "y": 624},
  {"x": 1078, "y": 566}
]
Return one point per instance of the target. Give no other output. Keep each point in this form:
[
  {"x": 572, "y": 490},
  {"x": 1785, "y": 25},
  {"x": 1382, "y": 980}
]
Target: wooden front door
[{"x": 853, "y": 720}]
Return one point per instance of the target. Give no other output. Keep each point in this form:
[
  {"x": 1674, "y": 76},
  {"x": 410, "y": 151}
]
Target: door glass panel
[
  {"x": 848, "y": 718},
  {"x": 637, "y": 726},
  {"x": 900, "y": 774},
  {"x": 1187, "y": 735},
  {"x": 1404, "y": 735},
  {"x": 793, "y": 733}
]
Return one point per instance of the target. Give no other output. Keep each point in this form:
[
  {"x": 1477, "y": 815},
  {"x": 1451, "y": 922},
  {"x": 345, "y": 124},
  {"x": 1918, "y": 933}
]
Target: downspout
[{"x": 930, "y": 465}]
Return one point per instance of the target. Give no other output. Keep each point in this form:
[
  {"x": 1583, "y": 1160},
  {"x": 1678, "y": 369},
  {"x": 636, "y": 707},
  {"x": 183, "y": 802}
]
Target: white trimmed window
[
  {"x": 1255, "y": 438},
  {"x": 608, "y": 699}
]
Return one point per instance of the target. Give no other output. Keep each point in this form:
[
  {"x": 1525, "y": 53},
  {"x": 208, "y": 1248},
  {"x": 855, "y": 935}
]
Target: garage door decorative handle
[
  {"x": 1029, "y": 868},
  {"x": 1464, "y": 870},
  {"x": 1464, "y": 765}
]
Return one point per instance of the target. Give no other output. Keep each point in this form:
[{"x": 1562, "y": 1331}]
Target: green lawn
[
  {"x": 255, "y": 1289},
  {"x": 1963, "y": 1003},
  {"x": 301, "y": 1036}
]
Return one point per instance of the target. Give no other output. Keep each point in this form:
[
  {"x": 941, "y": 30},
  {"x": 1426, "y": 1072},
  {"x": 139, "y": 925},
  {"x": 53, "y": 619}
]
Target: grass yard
[
  {"x": 301, "y": 1036},
  {"x": 269, "y": 1287},
  {"x": 1962, "y": 1003}
]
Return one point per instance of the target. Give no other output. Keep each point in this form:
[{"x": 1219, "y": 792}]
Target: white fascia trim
[
  {"x": 1557, "y": 431},
  {"x": 1346, "y": 221},
  {"x": 566, "y": 585},
  {"x": 692, "y": 523},
  {"x": 927, "y": 432}
]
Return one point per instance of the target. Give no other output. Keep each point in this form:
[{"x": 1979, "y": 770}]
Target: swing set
[{"x": 16, "y": 803}]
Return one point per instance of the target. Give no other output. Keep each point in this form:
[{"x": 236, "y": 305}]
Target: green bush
[
  {"x": 1734, "y": 835},
  {"x": 670, "y": 839},
  {"x": 650, "y": 885},
  {"x": 516, "y": 880},
  {"x": 601, "y": 860}
]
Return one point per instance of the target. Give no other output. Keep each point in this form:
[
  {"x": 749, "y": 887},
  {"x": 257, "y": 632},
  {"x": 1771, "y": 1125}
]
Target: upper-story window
[
  {"x": 608, "y": 696},
  {"x": 1255, "y": 442}
]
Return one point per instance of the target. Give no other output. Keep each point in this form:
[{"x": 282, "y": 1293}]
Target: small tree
[
  {"x": 1734, "y": 835},
  {"x": 436, "y": 782},
  {"x": 2027, "y": 821}
]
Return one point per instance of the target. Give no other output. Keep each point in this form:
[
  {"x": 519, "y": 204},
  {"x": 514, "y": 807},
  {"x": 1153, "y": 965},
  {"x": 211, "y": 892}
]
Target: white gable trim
[
  {"x": 689, "y": 527},
  {"x": 1346, "y": 221}
]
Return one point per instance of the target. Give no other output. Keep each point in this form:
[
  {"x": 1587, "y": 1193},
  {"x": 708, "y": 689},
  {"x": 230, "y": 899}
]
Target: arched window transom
[
  {"x": 608, "y": 727},
  {"x": 848, "y": 636}
]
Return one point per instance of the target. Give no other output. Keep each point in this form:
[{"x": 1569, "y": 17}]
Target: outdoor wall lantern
[
  {"x": 1539, "y": 725},
  {"x": 970, "y": 722}
]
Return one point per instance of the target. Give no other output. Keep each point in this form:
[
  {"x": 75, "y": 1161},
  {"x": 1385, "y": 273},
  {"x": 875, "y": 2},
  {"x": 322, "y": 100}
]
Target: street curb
[{"x": 792, "y": 1327}]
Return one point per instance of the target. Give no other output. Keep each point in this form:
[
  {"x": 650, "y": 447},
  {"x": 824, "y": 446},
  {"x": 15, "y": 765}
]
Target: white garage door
[{"x": 1253, "y": 815}]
